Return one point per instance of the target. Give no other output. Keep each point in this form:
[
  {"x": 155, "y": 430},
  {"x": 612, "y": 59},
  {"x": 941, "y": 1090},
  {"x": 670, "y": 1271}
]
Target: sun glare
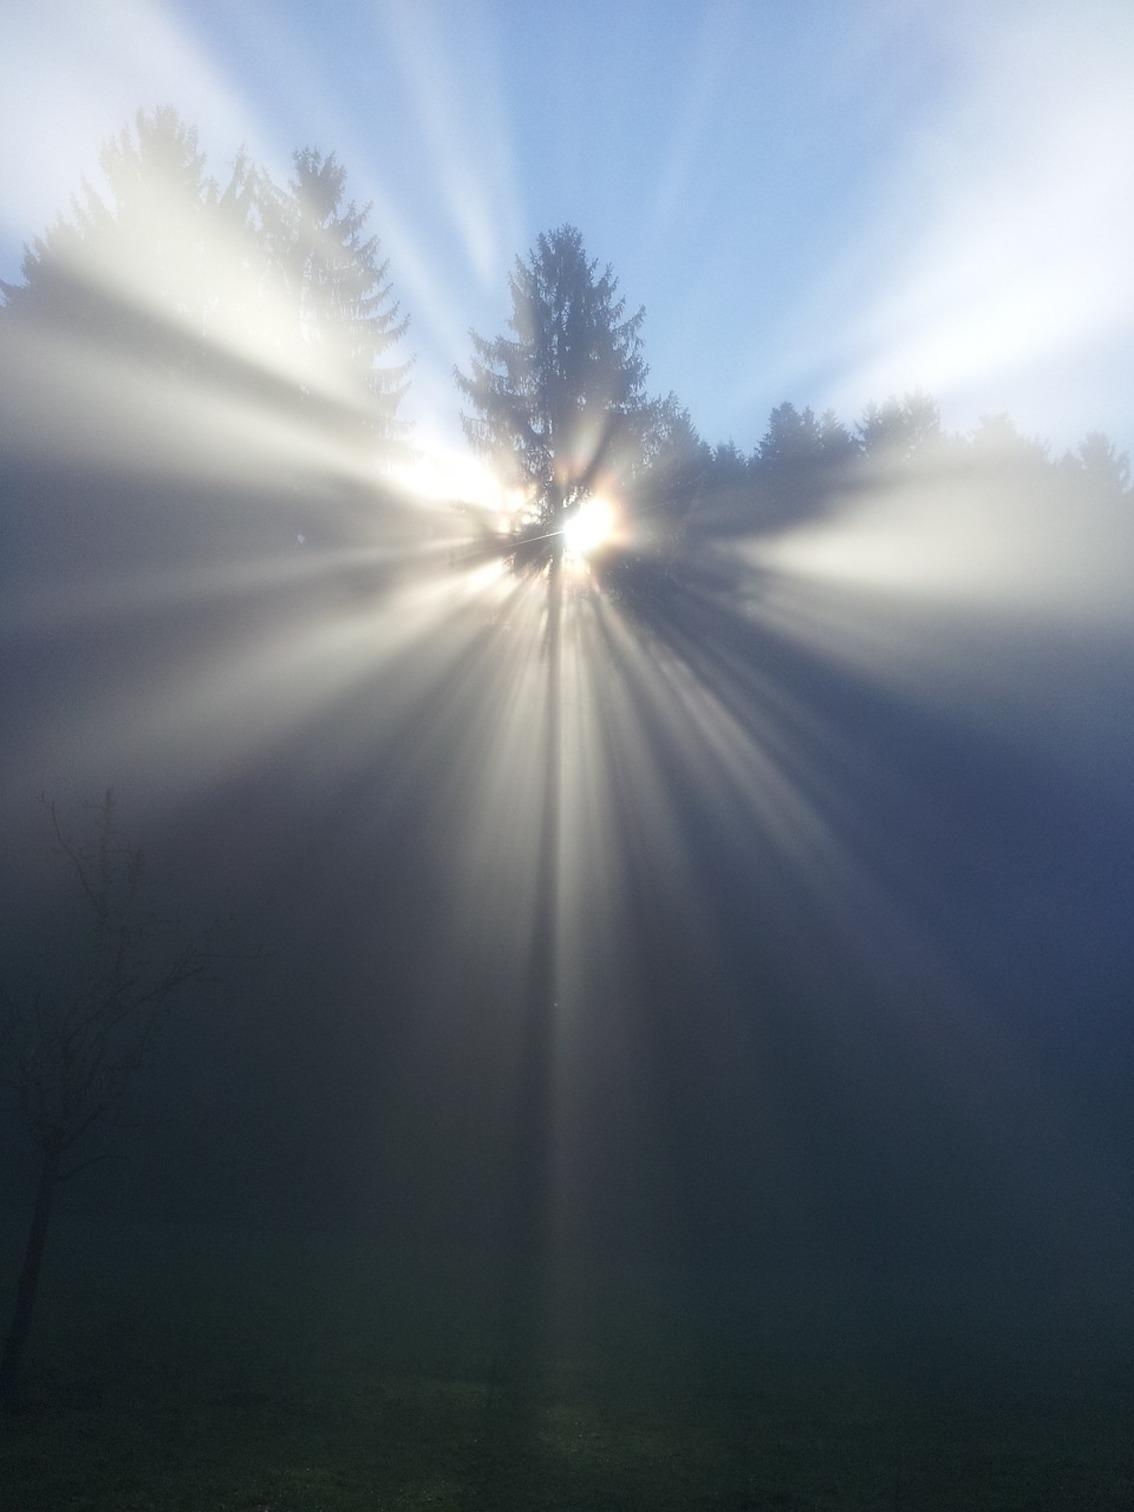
[
  {"x": 440, "y": 474},
  {"x": 588, "y": 528}
]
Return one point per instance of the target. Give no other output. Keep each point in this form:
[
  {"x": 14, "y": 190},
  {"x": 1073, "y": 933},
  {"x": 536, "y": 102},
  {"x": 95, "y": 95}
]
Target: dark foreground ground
[{"x": 224, "y": 1370}]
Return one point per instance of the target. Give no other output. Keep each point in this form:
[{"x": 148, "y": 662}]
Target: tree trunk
[{"x": 29, "y": 1275}]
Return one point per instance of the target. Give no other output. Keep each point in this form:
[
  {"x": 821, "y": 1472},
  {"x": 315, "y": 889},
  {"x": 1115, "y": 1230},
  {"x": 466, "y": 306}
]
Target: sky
[{"x": 827, "y": 203}]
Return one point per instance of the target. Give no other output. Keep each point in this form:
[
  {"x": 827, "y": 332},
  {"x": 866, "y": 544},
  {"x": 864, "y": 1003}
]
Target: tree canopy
[
  {"x": 560, "y": 405},
  {"x": 279, "y": 285},
  {"x": 335, "y": 286},
  {"x": 278, "y": 293}
]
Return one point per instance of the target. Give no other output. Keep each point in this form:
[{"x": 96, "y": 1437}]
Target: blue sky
[{"x": 825, "y": 202}]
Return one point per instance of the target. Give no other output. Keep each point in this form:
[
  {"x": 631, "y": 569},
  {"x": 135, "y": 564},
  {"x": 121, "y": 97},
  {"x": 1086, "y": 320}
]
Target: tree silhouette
[
  {"x": 560, "y": 405},
  {"x": 996, "y": 443},
  {"x": 792, "y": 440},
  {"x": 275, "y": 294},
  {"x": 337, "y": 290},
  {"x": 901, "y": 430},
  {"x": 792, "y": 465},
  {"x": 729, "y": 465},
  {"x": 659, "y": 501},
  {"x": 71, "y": 1045},
  {"x": 137, "y": 265},
  {"x": 1103, "y": 468}
]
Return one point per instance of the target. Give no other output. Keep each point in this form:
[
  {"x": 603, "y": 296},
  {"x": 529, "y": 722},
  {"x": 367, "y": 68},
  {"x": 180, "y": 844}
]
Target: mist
[{"x": 633, "y": 947}]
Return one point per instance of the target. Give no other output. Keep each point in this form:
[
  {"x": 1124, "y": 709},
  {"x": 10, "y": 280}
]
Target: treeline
[
  {"x": 278, "y": 296},
  {"x": 804, "y": 458},
  {"x": 274, "y": 293},
  {"x": 696, "y": 498}
]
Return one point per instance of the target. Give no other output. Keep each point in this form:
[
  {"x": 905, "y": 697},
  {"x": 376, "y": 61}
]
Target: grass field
[{"x": 227, "y": 1370}]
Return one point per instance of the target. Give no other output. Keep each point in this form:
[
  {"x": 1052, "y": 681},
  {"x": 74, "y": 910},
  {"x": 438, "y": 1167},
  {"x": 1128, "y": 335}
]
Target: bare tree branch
[{"x": 70, "y": 1057}]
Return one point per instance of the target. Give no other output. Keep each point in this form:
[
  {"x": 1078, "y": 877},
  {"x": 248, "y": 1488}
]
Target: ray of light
[
  {"x": 582, "y": 776},
  {"x": 137, "y": 52},
  {"x": 469, "y": 166},
  {"x": 990, "y": 258}
]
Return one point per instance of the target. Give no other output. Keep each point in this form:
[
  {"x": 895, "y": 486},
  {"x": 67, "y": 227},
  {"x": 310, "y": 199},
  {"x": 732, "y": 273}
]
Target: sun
[{"x": 588, "y": 528}]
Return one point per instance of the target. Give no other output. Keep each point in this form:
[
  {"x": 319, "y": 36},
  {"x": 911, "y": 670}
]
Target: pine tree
[
  {"x": 336, "y": 289},
  {"x": 1103, "y": 468},
  {"x": 560, "y": 405},
  {"x": 135, "y": 265},
  {"x": 901, "y": 430},
  {"x": 793, "y": 440},
  {"x": 276, "y": 293}
]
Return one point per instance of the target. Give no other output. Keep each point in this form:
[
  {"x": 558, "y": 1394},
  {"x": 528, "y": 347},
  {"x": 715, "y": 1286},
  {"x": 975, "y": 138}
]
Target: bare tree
[{"x": 71, "y": 1042}]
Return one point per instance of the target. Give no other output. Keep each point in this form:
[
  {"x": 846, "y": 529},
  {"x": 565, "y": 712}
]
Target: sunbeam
[{"x": 679, "y": 886}]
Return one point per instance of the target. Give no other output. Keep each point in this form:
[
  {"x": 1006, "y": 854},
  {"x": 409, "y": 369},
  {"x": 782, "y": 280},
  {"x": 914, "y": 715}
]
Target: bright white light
[
  {"x": 441, "y": 474},
  {"x": 588, "y": 528}
]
